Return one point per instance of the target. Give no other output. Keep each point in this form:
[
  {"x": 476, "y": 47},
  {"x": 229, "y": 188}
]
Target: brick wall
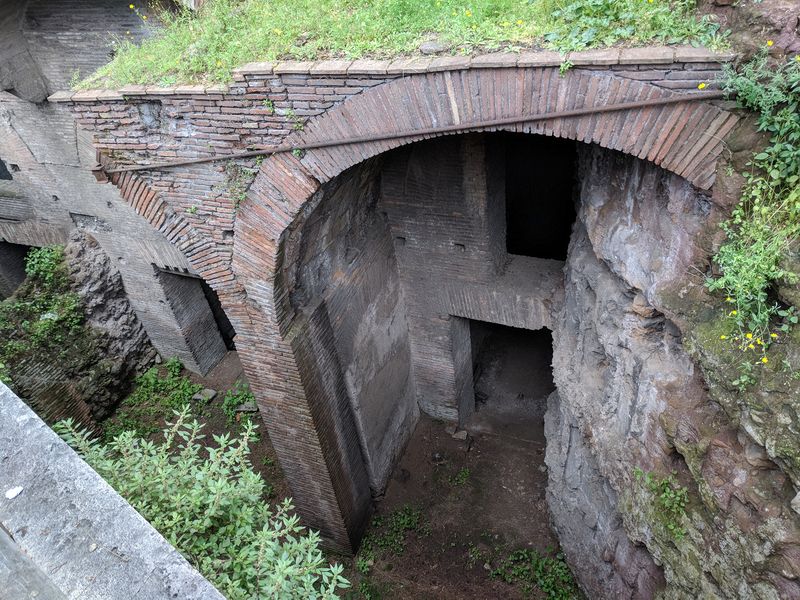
[{"x": 232, "y": 225}]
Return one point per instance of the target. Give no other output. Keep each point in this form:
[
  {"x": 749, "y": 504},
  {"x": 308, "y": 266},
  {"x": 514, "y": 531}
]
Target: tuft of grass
[{"x": 224, "y": 34}]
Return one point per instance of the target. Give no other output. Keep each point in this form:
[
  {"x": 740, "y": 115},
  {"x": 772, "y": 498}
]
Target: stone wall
[
  {"x": 50, "y": 191},
  {"x": 633, "y": 398},
  {"x": 342, "y": 256}
]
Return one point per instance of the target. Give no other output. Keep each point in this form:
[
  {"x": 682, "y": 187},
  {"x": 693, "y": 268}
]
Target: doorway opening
[
  {"x": 12, "y": 267},
  {"x": 198, "y": 314},
  {"x": 540, "y": 183},
  {"x": 512, "y": 378}
]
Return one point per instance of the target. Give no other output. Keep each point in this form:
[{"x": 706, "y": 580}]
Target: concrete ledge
[{"x": 74, "y": 527}]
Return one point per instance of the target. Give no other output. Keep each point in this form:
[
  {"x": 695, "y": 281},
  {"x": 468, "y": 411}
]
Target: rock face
[
  {"x": 120, "y": 337},
  {"x": 637, "y": 399}
]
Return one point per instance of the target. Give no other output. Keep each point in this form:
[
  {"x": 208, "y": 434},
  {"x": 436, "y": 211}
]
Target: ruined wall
[
  {"x": 233, "y": 236},
  {"x": 190, "y": 308},
  {"x": 445, "y": 204},
  {"x": 636, "y": 399},
  {"x": 50, "y": 192},
  {"x": 343, "y": 257}
]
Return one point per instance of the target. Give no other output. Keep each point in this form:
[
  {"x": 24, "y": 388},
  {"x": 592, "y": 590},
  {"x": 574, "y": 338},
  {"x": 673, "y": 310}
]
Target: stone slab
[{"x": 74, "y": 527}]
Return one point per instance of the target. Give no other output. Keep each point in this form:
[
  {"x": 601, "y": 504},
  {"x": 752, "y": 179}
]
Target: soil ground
[{"x": 477, "y": 499}]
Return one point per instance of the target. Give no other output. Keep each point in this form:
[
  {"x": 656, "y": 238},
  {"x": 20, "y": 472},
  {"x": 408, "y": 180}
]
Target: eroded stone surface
[{"x": 639, "y": 400}]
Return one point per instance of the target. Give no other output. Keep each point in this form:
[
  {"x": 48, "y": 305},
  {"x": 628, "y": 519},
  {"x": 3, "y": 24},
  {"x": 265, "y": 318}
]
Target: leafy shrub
[
  {"x": 207, "y": 501},
  {"x": 582, "y": 24},
  {"x": 43, "y": 314},
  {"x": 766, "y": 220}
]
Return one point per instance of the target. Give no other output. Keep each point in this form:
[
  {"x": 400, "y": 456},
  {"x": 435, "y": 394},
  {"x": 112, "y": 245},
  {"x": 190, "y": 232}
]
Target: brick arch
[{"x": 308, "y": 429}]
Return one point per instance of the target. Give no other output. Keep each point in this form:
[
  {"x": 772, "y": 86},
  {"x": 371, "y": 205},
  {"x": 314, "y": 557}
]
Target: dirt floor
[
  {"x": 471, "y": 502},
  {"x": 478, "y": 499}
]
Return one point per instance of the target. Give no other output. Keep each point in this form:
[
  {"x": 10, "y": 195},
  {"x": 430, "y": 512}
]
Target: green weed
[
  {"x": 766, "y": 221},
  {"x": 227, "y": 33},
  {"x": 155, "y": 398},
  {"x": 549, "y": 574},
  {"x": 669, "y": 500},
  {"x": 459, "y": 478},
  {"x": 238, "y": 395}
]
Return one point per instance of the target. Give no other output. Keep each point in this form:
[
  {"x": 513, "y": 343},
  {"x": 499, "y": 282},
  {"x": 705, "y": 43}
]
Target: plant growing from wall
[
  {"x": 766, "y": 221},
  {"x": 207, "y": 501},
  {"x": 239, "y": 178},
  {"x": 669, "y": 500}
]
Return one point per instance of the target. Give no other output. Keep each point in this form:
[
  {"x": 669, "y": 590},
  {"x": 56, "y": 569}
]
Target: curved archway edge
[{"x": 312, "y": 435}]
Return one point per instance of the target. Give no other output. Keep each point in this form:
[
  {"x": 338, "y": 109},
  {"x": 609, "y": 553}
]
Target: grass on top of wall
[{"x": 204, "y": 47}]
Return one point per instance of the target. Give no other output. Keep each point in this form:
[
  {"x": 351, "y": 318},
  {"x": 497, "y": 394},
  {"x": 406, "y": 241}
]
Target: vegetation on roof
[{"x": 206, "y": 46}]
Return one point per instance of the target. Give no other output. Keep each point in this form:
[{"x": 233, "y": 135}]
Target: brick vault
[{"x": 350, "y": 272}]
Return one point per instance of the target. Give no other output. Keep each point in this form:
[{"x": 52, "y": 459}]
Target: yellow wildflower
[
  {"x": 131, "y": 6},
  {"x": 520, "y": 22},
  {"x": 774, "y": 336},
  {"x": 764, "y": 359},
  {"x": 702, "y": 86},
  {"x": 732, "y": 313},
  {"x": 144, "y": 17},
  {"x": 751, "y": 346},
  {"x": 723, "y": 337},
  {"x": 770, "y": 43},
  {"x": 749, "y": 336},
  {"x": 468, "y": 12}
]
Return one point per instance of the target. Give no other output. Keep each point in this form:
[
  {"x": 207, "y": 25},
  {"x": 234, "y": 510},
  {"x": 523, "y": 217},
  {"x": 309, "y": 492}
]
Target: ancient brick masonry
[{"x": 234, "y": 238}]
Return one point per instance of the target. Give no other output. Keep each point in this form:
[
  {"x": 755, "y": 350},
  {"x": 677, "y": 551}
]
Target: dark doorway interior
[
  {"x": 513, "y": 376},
  {"x": 226, "y": 330},
  {"x": 4, "y": 172},
  {"x": 12, "y": 267},
  {"x": 540, "y": 208}
]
